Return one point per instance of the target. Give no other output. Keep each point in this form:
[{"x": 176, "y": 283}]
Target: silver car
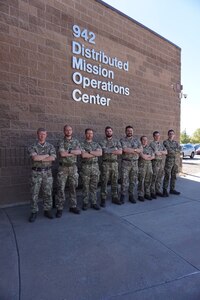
[{"x": 188, "y": 150}]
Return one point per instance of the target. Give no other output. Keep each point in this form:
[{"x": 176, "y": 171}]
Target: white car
[{"x": 188, "y": 150}]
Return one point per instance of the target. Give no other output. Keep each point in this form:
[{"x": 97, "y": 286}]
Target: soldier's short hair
[
  {"x": 40, "y": 130},
  {"x": 156, "y": 132},
  {"x": 108, "y": 127},
  {"x": 88, "y": 129},
  {"x": 143, "y": 136},
  {"x": 129, "y": 126},
  {"x": 67, "y": 126},
  {"x": 169, "y": 131}
]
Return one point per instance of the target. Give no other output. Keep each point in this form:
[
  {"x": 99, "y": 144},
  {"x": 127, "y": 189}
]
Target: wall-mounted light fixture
[{"x": 181, "y": 95}]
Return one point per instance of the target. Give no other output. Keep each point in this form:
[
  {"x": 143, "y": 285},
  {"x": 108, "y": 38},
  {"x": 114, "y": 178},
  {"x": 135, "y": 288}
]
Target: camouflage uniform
[
  {"x": 67, "y": 172},
  {"x": 171, "y": 164},
  {"x": 129, "y": 166},
  {"x": 90, "y": 173},
  {"x": 157, "y": 166},
  {"x": 109, "y": 167},
  {"x": 145, "y": 173},
  {"x": 41, "y": 176}
]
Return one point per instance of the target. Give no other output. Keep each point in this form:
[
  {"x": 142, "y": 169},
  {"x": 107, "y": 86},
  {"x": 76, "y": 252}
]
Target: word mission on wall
[{"x": 87, "y": 60}]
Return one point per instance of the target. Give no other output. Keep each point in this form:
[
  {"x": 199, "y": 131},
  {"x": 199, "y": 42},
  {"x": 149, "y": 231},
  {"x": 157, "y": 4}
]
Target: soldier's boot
[
  {"x": 59, "y": 213},
  {"x": 131, "y": 199},
  {"x": 159, "y": 194},
  {"x": 174, "y": 192},
  {"x": 48, "y": 214},
  {"x": 84, "y": 206},
  {"x": 32, "y": 217},
  {"x": 116, "y": 200},
  {"x": 103, "y": 202},
  {"x": 122, "y": 199},
  {"x": 165, "y": 193},
  {"x": 148, "y": 197},
  {"x": 153, "y": 196},
  {"x": 140, "y": 198},
  {"x": 75, "y": 210},
  {"x": 95, "y": 206}
]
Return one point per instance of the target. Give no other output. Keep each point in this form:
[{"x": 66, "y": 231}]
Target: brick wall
[{"x": 36, "y": 80}]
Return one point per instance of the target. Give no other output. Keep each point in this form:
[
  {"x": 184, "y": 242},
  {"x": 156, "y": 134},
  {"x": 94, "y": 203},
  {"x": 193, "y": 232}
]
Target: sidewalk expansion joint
[
  {"x": 131, "y": 292},
  {"x": 164, "y": 245},
  {"x": 17, "y": 250}
]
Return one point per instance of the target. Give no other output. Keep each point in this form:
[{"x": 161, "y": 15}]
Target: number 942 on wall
[{"x": 88, "y": 36}]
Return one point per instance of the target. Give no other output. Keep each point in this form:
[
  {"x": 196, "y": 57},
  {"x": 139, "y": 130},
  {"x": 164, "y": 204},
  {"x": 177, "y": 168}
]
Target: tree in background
[
  {"x": 195, "y": 138},
  {"x": 184, "y": 137}
]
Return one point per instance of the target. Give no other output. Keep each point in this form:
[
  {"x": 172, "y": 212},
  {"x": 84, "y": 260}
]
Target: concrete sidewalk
[{"x": 147, "y": 250}]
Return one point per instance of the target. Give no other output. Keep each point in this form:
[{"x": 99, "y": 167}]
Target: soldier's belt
[
  {"x": 89, "y": 162},
  {"x": 126, "y": 159},
  {"x": 41, "y": 169},
  {"x": 62, "y": 164},
  {"x": 109, "y": 160},
  {"x": 144, "y": 161}
]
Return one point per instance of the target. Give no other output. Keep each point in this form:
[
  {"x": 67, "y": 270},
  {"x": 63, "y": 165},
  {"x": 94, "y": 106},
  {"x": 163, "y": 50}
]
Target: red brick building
[{"x": 83, "y": 63}]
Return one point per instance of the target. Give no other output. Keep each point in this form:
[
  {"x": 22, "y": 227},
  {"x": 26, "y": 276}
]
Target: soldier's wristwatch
[
  {"x": 69, "y": 151},
  {"x": 89, "y": 151}
]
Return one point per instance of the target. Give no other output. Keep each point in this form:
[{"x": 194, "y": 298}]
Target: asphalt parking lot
[{"x": 191, "y": 166}]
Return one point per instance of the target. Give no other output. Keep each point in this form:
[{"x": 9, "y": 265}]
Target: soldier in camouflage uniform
[
  {"x": 171, "y": 163},
  {"x": 145, "y": 170},
  {"x": 131, "y": 150},
  {"x": 111, "y": 149},
  {"x": 90, "y": 169},
  {"x": 68, "y": 150},
  {"x": 42, "y": 154},
  {"x": 157, "y": 165}
]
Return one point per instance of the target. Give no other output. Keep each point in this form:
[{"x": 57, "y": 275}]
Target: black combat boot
[
  {"x": 116, "y": 200},
  {"x": 174, "y": 192},
  {"x": 48, "y": 214},
  {"x": 59, "y": 213},
  {"x": 159, "y": 194},
  {"x": 153, "y": 196},
  {"x": 84, "y": 206},
  {"x": 103, "y": 202},
  {"x": 140, "y": 198},
  {"x": 165, "y": 193},
  {"x": 75, "y": 210},
  {"x": 131, "y": 199},
  {"x": 32, "y": 217},
  {"x": 147, "y": 197},
  {"x": 122, "y": 199},
  {"x": 95, "y": 206}
]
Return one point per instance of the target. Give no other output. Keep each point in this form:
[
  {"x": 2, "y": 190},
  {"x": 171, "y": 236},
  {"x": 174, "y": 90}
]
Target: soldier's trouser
[
  {"x": 171, "y": 169},
  {"x": 41, "y": 180},
  {"x": 90, "y": 178},
  {"x": 65, "y": 174},
  {"x": 109, "y": 170},
  {"x": 129, "y": 176},
  {"x": 144, "y": 179},
  {"x": 158, "y": 171}
]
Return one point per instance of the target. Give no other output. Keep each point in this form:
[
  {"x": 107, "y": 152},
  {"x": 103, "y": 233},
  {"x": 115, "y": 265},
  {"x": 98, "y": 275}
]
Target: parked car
[
  {"x": 197, "y": 149},
  {"x": 188, "y": 150}
]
